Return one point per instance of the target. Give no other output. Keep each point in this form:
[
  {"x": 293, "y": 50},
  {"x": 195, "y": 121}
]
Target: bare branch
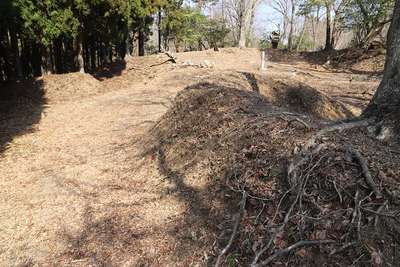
[
  {"x": 367, "y": 174},
  {"x": 242, "y": 206},
  {"x": 295, "y": 245},
  {"x": 301, "y": 121}
]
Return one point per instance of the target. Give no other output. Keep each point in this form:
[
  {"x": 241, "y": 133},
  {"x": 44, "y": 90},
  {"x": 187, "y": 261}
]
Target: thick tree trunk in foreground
[{"x": 385, "y": 105}]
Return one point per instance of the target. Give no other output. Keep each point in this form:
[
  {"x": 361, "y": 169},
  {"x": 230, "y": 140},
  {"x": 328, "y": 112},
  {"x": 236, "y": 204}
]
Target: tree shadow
[
  {"x": 21, "y": 106},
  {"x": 373, "y": 74},
  {"x": 252, "y": 81},
  {"x": 109, "y": 70},
  {"x": 355, "y": 101},
  {"x": 189, "y": 144},
  {"x": 336, "y": 59},
  {"x": 110, "y": 234}
]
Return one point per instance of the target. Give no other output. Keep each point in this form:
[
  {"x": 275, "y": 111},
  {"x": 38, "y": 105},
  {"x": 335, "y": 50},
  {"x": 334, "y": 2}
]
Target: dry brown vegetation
[{"x": 147, "y": 164}]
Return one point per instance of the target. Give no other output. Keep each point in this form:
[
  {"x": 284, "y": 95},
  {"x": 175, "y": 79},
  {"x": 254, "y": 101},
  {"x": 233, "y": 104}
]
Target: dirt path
[{"x": 77, "y": 196}]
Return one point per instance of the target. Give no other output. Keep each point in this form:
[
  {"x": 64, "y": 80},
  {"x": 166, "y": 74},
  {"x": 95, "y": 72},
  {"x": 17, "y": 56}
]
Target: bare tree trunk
[
  {"x": 252, "y": 16},
  {"x": 79, "y": 48},
  {"x": 128, "y": 38},
  {"x": 291, "y": 24},
  {"x": 47, "y": 62},
  {"x": 15, "y": 51},
  {"x": 159, "y": 32},
  {"x": 328, "y": 42},
  {"x": 241, "y": 24},
  {"x": 301, "y": 34},
  {"x": 141, "y": 42},
  {"x": 385, "y": 105}
]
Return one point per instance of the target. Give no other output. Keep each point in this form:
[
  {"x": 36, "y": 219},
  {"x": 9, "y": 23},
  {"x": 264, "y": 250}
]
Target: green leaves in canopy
[
  {"x": 45, "y": 20},
  {"x": 368, "y": 13},
  {"x": 189, "y": 26}
]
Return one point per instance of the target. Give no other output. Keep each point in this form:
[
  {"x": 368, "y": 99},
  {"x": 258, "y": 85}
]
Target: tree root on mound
[
  {"x": 242, "y": 206},
  {"x": 290, "y": 213},
  {"x": 367, "y": 174},
  {"x": 304, "y": 154}
]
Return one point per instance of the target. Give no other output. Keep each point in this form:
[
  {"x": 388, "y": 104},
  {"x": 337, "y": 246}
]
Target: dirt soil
[{"x": 145, "y": 163}]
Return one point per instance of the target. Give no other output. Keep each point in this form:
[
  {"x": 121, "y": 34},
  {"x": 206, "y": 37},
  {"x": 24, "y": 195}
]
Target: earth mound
[
  {"x": 69, "y": 87},
  {"x": 224, "y": 144}
]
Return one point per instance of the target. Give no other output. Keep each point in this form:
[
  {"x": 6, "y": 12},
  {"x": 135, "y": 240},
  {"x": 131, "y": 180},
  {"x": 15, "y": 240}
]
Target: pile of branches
[
  {"x": 301, "y": 203},
  {"x": 333, "y": 207}
]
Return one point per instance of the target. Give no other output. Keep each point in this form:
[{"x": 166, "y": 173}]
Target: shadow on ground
[
  {"x": 109, "y": 70},
  {"x": 335, "y": 59},
  {"x": 21, "y": 105},
  {"x": 194, "y": 147},
  {"x": 192, "y": 142}
]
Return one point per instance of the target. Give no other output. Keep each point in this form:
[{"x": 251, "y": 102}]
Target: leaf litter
[{"x": 176, "y": 195}]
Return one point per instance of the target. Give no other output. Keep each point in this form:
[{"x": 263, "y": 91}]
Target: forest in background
[{"x": 61, "y": 36}]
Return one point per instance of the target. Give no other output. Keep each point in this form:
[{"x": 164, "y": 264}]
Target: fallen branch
[
  {"x": 378, "y": 212},
  {"x": 295, "y": 72},
  {"x": 367, "y": 174},
  {"x": 258, "y": 255},
  {"x": 205, "y": 64},
  {"x": 171, "y": 56},
  {"x": 295, "y": 245},
  {"x": 303, "y": 156},
  {"x": 242, "y": 206},
  {"x": 301, "y": 121}
]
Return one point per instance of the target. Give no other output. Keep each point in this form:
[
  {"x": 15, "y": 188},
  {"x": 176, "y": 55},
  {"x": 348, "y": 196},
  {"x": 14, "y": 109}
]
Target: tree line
[
  {"x": 355, "y": 22},
  {"x": 58, "y": 36}
]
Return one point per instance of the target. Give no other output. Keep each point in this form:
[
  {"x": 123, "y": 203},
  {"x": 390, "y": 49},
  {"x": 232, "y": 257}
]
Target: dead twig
[
  {"x": 337, "y": 191},
  {"x": 301, "y": 121},
  {"x": 171, "y": 56},
  {"x": 394, "y": 151},
  {"x": 271, "y": 239},
  {"x": 295, "y": 72},
  {"x": 378, "y": 211},
  {"x": 303, "y": 156},
  {"x": 295, "y": 245},
  {"x": 158, "y": 64},
  {"x": 367, "y": 174},
  {"x": 357, "y": 93},
  {"x": 242, "y": 206},
  {"x": 341, "y": 248},
  {"x": 357, "y": 213},
  {"x": 359, "y": 258}
]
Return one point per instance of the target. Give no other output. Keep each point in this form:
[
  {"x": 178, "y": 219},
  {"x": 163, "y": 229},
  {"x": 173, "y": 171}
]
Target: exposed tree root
[
  {"x": 289, "y": 248},
  {"x": 242, "y": 206},
  {"x": 367, "y": 174},
  {"x": 304, "y": 153},
  {"x": 298, "y": 182}
]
